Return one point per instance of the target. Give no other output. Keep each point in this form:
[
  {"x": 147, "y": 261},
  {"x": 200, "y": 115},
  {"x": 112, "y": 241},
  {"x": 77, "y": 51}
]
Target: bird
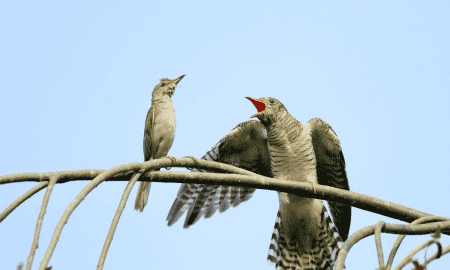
[
  {"x": 279, "y": 146},
  {"x": 159, "y": 131}
]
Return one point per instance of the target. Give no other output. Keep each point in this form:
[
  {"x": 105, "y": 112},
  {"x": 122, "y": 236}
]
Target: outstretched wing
[
  {"x": 331, "y": 170},
  {"x": 244, "y": 147}
]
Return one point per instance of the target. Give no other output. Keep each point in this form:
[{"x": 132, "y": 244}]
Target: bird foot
[
  {"x": 312, "y": 180},
  {"x": 171, "y": 159},
  {"x": 313, "y": 184},
  {"x": 195, "y": 162}
]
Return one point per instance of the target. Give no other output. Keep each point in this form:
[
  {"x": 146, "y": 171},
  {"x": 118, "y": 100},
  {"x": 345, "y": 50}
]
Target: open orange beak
[{"x": 260, "y": 106}]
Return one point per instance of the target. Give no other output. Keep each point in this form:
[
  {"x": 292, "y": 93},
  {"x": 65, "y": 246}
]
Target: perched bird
[
  {"x": 279, "y": 146},
  {"x": 159, "y": 131}
]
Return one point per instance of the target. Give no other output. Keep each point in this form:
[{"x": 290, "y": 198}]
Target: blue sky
[{"x": 76, "y": 86}]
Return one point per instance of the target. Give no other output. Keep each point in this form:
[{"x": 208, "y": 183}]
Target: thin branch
[
  {"x": 35, "y": 244},
  {"x": 435, "y": 256},
  {"x": 246, "y": 179},
  {"x": 401, "y": 237},
  {"x": 408, "y": 258},
  {"x": 380, "y": 225},
  {"x": 21, "y": 199},
  {"x": 67, "y": 176},
  {"x": 119, "y": 211},
  {"x": 389, "y": 228},
  {"x": 354, "y": 199},
  {"x": 40, "y": 177},
  {"x": 153, "y": 164}
]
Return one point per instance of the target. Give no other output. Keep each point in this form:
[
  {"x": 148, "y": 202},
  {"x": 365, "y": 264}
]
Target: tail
[
  {"x": 142, "y": 196},
  {"x": 284, "y": 252}
]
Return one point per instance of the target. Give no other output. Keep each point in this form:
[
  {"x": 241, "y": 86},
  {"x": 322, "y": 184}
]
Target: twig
[
  {"x": 435, "y": 256},
  {"x": 21, "y": 199},
  {"x": 153, "y": 164},
  {"x": 408, "y": 258},
  {"x": 119, "y": 211},
  {"x": 35, "y": 244},
  {"x": 380, "y": 225},
  {"x": 389, "y": 228},
  {"x": 401, "y": 237}
]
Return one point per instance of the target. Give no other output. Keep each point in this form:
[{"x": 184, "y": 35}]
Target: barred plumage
[
  {"x": 245, "y": 147},
  {"x": 279, "y": 146},
  {"x": 325, "y": 250}
]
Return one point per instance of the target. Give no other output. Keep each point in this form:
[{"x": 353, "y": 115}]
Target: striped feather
[
  {"x": 284, "y": 253},
  {"x": 245, "y": 147}
]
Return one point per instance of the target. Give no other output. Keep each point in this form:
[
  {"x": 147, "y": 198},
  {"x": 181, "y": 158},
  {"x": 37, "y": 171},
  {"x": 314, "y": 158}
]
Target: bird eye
[
  {"x": 163, "y": 84},
  {"x": 272, "y": 101}
]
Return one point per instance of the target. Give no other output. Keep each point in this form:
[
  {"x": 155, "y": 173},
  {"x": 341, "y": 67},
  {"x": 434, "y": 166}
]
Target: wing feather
[
  {"x": 331, "y": 170},
  {"x": 245, "y": 147}
]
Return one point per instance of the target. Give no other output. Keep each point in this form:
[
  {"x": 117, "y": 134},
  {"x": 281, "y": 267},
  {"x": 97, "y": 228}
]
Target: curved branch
[
  {"x": 64, "y": 177},
  {"x": 153, "y": 164},
  {"x": 239, "y": 178},
  {"x": 354, "y": 199},
  {"x": 68, "y": 176},
  {"x": 119, "y": 211},
  {"x": 389, "y": 228},
  {"x": 435, "y": 256},
  {"x": 401, "y": 237},
  {"x": 21, "y": 199},
  {"x": 35, "y": 244},
  {"x": 380, "y": 225},
  {"x": 408, "y": 258}
]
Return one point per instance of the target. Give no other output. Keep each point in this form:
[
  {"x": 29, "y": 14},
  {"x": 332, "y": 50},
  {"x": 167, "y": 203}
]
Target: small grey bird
[{"x": 159, "y": 131}]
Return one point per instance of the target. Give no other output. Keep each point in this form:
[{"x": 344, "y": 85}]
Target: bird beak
[
  {"x": 260, "y": 106},
  {"x": 177, "y": 80}
]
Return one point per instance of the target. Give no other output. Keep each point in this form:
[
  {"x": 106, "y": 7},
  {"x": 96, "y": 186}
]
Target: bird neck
[
  {"x": 278, "y": 132},
  {"x": 160, "y": 98}
]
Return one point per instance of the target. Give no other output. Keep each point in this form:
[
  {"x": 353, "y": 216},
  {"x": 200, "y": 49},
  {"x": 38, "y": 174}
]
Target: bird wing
[
  {"x": 149, "y": 120},
  {"x": 244, "y": 147},
  {"x": 331, "y": 170}
]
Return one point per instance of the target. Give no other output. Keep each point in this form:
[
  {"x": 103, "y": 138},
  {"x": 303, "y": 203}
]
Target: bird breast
[{"x": 292, "y": 152}]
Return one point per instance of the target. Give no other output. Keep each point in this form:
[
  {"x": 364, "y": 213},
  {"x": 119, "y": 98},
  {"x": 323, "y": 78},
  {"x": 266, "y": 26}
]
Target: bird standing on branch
[
  {"x": 279, "y": 146},
  {"x": 159, "y": 131}
]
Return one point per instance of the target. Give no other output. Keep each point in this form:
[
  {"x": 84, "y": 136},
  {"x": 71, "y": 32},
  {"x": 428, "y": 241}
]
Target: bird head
[
  {"x": 269, "y": 109},
  {"x": 167, "y": 86}
]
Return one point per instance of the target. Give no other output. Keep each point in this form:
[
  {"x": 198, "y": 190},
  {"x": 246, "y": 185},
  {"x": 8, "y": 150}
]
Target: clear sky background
[{"x": 76, "y": 84}]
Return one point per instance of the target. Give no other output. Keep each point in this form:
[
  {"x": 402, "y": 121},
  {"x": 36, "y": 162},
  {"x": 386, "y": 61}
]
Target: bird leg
[{"x": 310, "y": 180}]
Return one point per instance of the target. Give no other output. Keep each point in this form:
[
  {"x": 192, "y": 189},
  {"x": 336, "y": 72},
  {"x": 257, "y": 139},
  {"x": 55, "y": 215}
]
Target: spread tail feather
[
  {"x": 142, "y": 196},
  {"x": 285, "y": 254}
]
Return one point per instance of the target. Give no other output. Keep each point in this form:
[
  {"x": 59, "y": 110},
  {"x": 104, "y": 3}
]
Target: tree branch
[
  {"x": 21, "y": 199},
  {"x": 119, "y": 211},
  {"x": 37, "y": 233}
]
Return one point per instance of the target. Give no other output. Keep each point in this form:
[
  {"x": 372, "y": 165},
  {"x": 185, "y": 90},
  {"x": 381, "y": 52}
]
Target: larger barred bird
[{"x": 279, "y": 146}]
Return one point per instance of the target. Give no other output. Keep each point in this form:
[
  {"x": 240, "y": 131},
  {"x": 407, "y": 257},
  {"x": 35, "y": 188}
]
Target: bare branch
[
  {"x": 21, "y": 199},
  {"x": 35, "y": 244},
  {"x": 378, "y": 229},
  {"x": 389, "y": 228},
  {"x": 153, "y": 164},
  {"x": 435, "y": 256},
  {"x": 239, "y": 177},
  {"x": 119, "y": 211},
  {"x": 401, "y": 237},
  {"x": 408, "y": 258}
]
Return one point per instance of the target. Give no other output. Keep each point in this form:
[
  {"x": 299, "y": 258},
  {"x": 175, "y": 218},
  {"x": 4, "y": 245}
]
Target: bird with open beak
[{"x": 279, "y": 146}]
